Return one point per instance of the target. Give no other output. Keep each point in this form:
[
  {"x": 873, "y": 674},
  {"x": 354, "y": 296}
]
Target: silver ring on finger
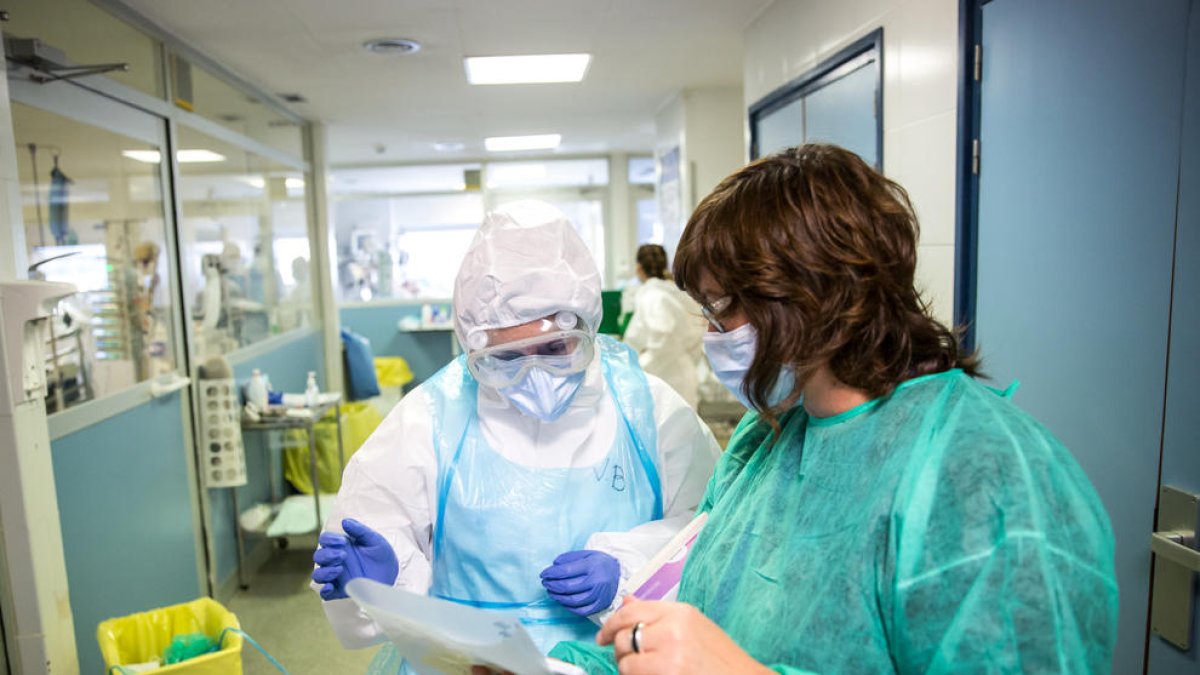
[{"x": 635, "y": 638}]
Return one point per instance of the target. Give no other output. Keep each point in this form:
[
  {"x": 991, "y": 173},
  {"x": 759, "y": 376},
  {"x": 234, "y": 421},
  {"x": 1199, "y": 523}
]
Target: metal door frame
[{"x": 88, "y": 106}]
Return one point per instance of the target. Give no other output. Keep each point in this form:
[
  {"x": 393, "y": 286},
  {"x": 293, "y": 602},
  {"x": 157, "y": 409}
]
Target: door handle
[
  {"x": 1177, "y": 546},
  {"x": 158, "y": 388},
  {"x": 1176, "y": 564}
]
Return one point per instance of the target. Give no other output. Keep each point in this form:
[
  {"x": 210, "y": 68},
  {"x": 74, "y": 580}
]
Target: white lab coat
[
  {"x": 666, "y": 331},
  {"x": 390, "y": 484}
]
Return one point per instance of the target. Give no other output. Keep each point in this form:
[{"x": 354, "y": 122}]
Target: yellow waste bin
[
  {"x": 141, "y": 638},
  {"x": 392, "y": 371},
  {"x": 359, "y": 420}
]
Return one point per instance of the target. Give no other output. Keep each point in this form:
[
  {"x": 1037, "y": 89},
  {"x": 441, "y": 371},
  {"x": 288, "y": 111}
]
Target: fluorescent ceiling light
[
  {"x": 256, "y": 182},
  {"x": 526, "y": 69},
  {"x": 506, "y": 143},
  {"x": 184, "y": 156},
  {"x": 293, "y": 183},
  {"x": 147, "y": 156}
]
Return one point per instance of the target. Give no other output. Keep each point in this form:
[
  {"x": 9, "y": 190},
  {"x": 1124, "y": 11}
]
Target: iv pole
[{"x": 37, "y": 195}]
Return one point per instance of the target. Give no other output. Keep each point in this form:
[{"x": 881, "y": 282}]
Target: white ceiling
[{"x": 644, "y": 51}]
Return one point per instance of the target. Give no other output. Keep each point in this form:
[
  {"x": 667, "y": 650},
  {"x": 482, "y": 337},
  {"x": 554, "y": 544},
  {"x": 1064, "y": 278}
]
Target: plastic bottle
[
  {"x": 311, "y": 392},
  {"x": 256, "y": 391}
]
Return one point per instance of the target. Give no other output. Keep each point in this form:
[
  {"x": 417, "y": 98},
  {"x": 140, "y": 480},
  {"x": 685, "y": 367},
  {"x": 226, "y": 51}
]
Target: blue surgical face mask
[
  {"x": 730, "y": 355},
  {"x": 542, "y": 395}
]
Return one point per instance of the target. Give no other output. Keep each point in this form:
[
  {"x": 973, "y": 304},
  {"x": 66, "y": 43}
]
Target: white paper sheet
[{"x": 438, "y": 637}]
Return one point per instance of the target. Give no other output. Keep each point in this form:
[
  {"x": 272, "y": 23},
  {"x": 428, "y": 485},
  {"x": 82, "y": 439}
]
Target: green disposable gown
[{"x": 937, "y": 529}]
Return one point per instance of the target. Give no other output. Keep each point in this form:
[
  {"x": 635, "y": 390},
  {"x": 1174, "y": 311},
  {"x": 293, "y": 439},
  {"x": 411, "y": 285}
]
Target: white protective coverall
[
  {"x": 525, "y": 263},
  {"x": 666, "y": 331}
]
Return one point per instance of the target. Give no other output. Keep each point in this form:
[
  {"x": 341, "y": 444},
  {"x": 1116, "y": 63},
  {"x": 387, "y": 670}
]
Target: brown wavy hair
[
  {"x": 819, "y": 250},
  {"x": 653, "y": 259}
]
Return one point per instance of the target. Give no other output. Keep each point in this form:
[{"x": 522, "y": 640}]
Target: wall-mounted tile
[
  {"x": 935, "y": 279},
  {"x": 928, "y": 60},
  {"x": 926, "y": 167},
  {"x": 893, "y": 73}
]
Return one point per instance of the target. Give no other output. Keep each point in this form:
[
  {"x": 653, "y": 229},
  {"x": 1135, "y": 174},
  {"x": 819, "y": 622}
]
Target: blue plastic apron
[{"x": 499, "y": 524}]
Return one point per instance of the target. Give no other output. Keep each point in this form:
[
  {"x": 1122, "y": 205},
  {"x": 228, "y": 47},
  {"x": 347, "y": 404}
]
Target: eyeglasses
[
  {"x": 559, "y": 353},
  {"x": 715, "y": 308}
]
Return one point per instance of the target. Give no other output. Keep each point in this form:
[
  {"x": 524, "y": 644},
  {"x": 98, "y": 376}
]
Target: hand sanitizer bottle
[
  {"x": 311, "y": 393},
  {"x": 256, "y": 391}
]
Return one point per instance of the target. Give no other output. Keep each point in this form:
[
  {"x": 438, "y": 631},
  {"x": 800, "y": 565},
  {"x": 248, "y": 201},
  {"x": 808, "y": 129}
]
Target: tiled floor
[{"x": 285, "y": 617}]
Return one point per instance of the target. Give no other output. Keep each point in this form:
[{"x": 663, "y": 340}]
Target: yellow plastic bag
[
  {"x": 392, "y": 371},
  {"x": 140, "y": 638},
  {"x": 359, "y": 420}
]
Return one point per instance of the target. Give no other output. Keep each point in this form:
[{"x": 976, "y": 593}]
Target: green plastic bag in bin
[
  {"x": 359, "y": 420},
  {"x": 144, "y": 637}
]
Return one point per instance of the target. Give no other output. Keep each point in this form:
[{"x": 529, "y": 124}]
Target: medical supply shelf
[{"x": 286, "y": 422}]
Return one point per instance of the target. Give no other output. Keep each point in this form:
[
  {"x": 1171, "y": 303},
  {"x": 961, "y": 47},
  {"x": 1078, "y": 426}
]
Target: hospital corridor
[{"x": 576, "y": 337}]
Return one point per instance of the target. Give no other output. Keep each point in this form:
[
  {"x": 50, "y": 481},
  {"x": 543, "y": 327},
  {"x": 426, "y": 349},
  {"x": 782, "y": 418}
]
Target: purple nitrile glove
[
  {"x": 585, "y": 582},
  {"x": 361, "y": 552}
]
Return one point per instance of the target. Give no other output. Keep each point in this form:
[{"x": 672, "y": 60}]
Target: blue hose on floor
[{"x": 249, "y": 639}]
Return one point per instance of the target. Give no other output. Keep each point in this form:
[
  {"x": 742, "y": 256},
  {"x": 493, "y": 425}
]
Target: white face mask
[
  {"x": 730, "y": 355},
  {"x": 542, "y": 395}
]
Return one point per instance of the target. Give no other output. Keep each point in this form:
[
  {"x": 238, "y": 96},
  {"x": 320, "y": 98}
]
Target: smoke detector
[{"x": 392, "y": 46}]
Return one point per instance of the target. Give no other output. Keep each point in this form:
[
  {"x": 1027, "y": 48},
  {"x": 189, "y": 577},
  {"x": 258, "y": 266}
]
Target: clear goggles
[{"x": 557, "y": 351}]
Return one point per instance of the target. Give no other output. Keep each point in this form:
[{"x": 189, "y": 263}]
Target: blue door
[
  {"x": 1080, "y": 148},
  {"x": 1181, "y": 426}
]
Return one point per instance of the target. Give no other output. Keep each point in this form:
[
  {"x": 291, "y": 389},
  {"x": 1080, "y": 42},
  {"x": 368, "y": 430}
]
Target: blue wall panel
[
  {"x": 1080, "y": 147},
  {"x": 426, "y": 352},
  {"x": 125, "y": 503}
]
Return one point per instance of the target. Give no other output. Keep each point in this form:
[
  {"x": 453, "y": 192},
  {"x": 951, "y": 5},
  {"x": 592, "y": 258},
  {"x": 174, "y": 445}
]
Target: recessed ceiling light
[
  {"x": 147, "y": 156},
  {"x": 507, "y": 143},
  {"x": 392, "y": 46},
  {"x": 538, "y": 68},
  {"x": 293, "y": 183},
  {"x": 449, "y": 146},
  {"x": 184, "y": 156}
]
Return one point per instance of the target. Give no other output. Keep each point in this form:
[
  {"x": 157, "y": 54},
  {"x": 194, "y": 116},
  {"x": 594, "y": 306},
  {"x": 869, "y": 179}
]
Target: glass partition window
[
  {"x": 404, "y": 246},
  {"x": 94, "y": 217},
  {"x": 244, "y": 242},
  {"x": 201, "y": 92},
  {"x": 839, "y": 102},
  {"x": 546, "y": 174},
  {"x": 87, "y": 35},
  {"x": 642, "y": 171},
  {"x": 402, "y": 231}
]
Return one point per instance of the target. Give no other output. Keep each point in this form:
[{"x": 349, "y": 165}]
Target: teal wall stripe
[
  {"x": 426, "y": 352},
  {"x": 125, "y": 506}
]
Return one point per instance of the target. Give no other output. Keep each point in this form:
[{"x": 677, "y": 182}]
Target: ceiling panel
[{"x": 645, "y": 52}]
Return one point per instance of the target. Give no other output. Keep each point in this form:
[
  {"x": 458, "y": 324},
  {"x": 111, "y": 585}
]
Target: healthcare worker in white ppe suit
[
  {"x": 533, "y": 474},
  {"x": 667, "y": 327}
]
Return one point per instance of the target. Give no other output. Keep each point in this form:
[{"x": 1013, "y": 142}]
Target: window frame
[{"x": 866, "y": 50}]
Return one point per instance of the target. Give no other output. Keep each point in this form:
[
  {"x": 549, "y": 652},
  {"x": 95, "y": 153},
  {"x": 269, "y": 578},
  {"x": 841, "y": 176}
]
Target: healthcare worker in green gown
[{"x": 879, "y": 509}]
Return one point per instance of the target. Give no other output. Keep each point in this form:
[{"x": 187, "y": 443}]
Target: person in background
[
  {"x": 879, "y": 509},
  {"x": 295, "y": 309},
  {"x": 534, "y": 473},
  {"x": 666, "y": 326}
]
